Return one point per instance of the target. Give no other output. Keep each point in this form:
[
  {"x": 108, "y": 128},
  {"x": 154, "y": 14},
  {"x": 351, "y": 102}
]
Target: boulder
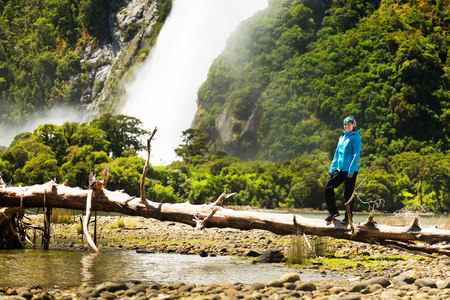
[
  {"x": 407, "y": 277},
  {"x": 306, "y": 286},
  {"x": 271, "y": 256},
  {"x": 292, "y": 277},
  {"x": 428, "y": 282}
]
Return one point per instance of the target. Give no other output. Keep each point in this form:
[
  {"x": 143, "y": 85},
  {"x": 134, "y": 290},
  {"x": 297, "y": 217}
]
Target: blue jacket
[{"x": 347, "y": 153}]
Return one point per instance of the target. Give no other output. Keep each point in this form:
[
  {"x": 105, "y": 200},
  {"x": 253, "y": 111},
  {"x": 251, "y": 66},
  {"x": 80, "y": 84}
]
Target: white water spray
[
  {"x": 57, "y": 115},
  {"x": 164, "y": 94}
]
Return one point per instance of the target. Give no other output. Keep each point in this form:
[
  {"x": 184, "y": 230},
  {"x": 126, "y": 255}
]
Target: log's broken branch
[
  {"x": 201, "y": 223},
  {"x": 348, "y": 208},
  {"x": 222, "y": 197},
  {"x": 2, "y": 183},
  {"x": 144, "y": 172},
  {"x": 95, "y": 186},
  {"x": 86, "y": 222}
]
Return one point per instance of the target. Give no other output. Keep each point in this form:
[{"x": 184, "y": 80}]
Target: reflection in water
[
  {"x": 87, "y": 263},
  {"x": 69, "y": 268}
]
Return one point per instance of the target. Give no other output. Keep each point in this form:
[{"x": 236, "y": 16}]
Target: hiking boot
[
  {"x": 344, "y": 221},
  {"x": 332, "y": 216}
]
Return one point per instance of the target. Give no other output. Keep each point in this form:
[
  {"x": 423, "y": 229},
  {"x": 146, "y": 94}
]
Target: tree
[
  {"x": 52, "y": 136},
  {"x": 195, "y": 147},
  {"x": 121, "y": 131}
]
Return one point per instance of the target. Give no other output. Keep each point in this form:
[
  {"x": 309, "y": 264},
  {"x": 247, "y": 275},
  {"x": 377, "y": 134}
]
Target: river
[{"x": 70, "y": 268}]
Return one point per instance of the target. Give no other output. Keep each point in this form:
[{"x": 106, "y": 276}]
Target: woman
[{"x": 343, "y": 169}]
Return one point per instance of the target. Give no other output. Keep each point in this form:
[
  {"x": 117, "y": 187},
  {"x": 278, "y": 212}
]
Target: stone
[
  {"x": 353, "y": 296},
  {"x": 275, "y": 283},
  {"x": 25, "y": 294},
  {"x": 257, "y": 286},
  {"x": 325, "y": 286},
  {"x": 444, "y": 284},
  {"x": 425, "y": 282},
  {"x": 407, "y": 277},
  {"x": 271, "y": 256},
  {"x": 108, "y": 295},
  {"x": 395, "y": 293},
  {"x": 335, "y": 290},
  {"x": 292, "y": 277},
  {"x": 424, "y": 289},
  {"x": 383, "y": 281},
  {"x": 252, "y": 253},
  {"x": 85, "y": 292},
  {"x": 356, "y": 287},
  {"x": 256, "y": 296},
  {"x": 434, "y": 291},
  {"x": 445, "y": 261},
  {"x": 177, "y": 285},
  {"x": 295, "y": 294},
  {"x": 289, "y": 286},
  {"x": 110, "y": 287},
  {"x": 130, "y": 292},
  {"x": 408, "y": 287},
  {"x": 155, "y": 286},
  {"x": 186, "y": 288},
  {"x": 169, "y": 297},
  {"x": 306, "y": 286},
  {"x": 375, "y": 288}
]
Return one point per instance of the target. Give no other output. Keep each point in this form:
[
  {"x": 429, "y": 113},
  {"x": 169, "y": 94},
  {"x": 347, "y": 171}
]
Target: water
[
  {"x": 70, "y": 268},
  {"x": 164, "y": 94}
]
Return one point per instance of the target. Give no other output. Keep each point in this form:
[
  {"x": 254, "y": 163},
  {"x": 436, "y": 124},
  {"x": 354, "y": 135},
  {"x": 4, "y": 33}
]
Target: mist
[
  {"x": 58, "y": 115},
  {"x": 164, "y": 93}
]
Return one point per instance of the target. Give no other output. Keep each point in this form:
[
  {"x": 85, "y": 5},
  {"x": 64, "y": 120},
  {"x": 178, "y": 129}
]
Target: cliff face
[{"x": 132, "y": 24}]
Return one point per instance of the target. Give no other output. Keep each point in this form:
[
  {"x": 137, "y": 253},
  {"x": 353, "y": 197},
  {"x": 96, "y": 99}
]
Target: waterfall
[{"x": 165, "y": 92}]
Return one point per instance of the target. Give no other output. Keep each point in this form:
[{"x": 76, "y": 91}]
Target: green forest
[
  {"x": 308, "y": 64},
  {"x": 301, "y": 67},
  {"x": 417, "y": 180}
]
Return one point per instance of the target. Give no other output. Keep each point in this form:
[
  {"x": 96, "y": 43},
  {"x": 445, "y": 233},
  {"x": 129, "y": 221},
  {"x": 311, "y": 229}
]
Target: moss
[{"x": 341, "y": 263}]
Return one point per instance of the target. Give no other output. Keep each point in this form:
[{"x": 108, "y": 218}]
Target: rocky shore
[{"x": 370, "y": 271}]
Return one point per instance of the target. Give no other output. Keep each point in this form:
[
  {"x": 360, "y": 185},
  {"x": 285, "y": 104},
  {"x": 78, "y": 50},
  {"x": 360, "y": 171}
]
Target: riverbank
[{"x": 367, "y": 271}]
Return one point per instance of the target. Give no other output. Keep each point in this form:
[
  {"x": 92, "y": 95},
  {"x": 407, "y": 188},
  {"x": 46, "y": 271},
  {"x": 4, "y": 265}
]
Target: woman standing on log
[{"x": 343, "y": 169}]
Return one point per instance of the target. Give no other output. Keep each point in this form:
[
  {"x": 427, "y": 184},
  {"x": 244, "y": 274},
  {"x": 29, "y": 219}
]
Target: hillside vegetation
[
  {"x": 40, "y": 43},
  {"x": 417, "y": 181},
  {"x": 306, "y": 65},
  {"x": 46, "y": 50}
]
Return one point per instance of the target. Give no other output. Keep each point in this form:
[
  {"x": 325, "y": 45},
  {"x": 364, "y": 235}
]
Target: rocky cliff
[{"x": 132, "y": 27}]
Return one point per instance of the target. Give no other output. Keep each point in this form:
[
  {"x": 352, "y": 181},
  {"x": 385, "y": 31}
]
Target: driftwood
[
  {"x": 53, "y": 195},
  {"x": 411, "y": 237}
]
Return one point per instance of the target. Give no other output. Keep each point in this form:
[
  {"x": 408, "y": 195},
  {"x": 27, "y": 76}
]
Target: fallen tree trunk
[
  {"x": 8, "y": 234},
  {"x": 53, "y": 195}
]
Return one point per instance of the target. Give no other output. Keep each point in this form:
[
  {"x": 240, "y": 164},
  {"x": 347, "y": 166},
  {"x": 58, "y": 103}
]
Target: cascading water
[{"x": 165, "y": 92}]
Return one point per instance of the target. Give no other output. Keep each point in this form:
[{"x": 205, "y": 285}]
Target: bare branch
[
  {"x": 144, "y": 172},
  {"x": 222, "y": 197},
  {"x": 201, "y": 223}
]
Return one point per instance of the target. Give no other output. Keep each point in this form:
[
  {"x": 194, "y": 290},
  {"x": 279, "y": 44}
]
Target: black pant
[{"x": 335, "y": 180}]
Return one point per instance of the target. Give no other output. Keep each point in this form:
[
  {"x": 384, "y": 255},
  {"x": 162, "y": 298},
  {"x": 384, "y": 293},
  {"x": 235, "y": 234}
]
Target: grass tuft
[
  {"x": 302, "y": 249},
  {"x": 61, "y": 216}
]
